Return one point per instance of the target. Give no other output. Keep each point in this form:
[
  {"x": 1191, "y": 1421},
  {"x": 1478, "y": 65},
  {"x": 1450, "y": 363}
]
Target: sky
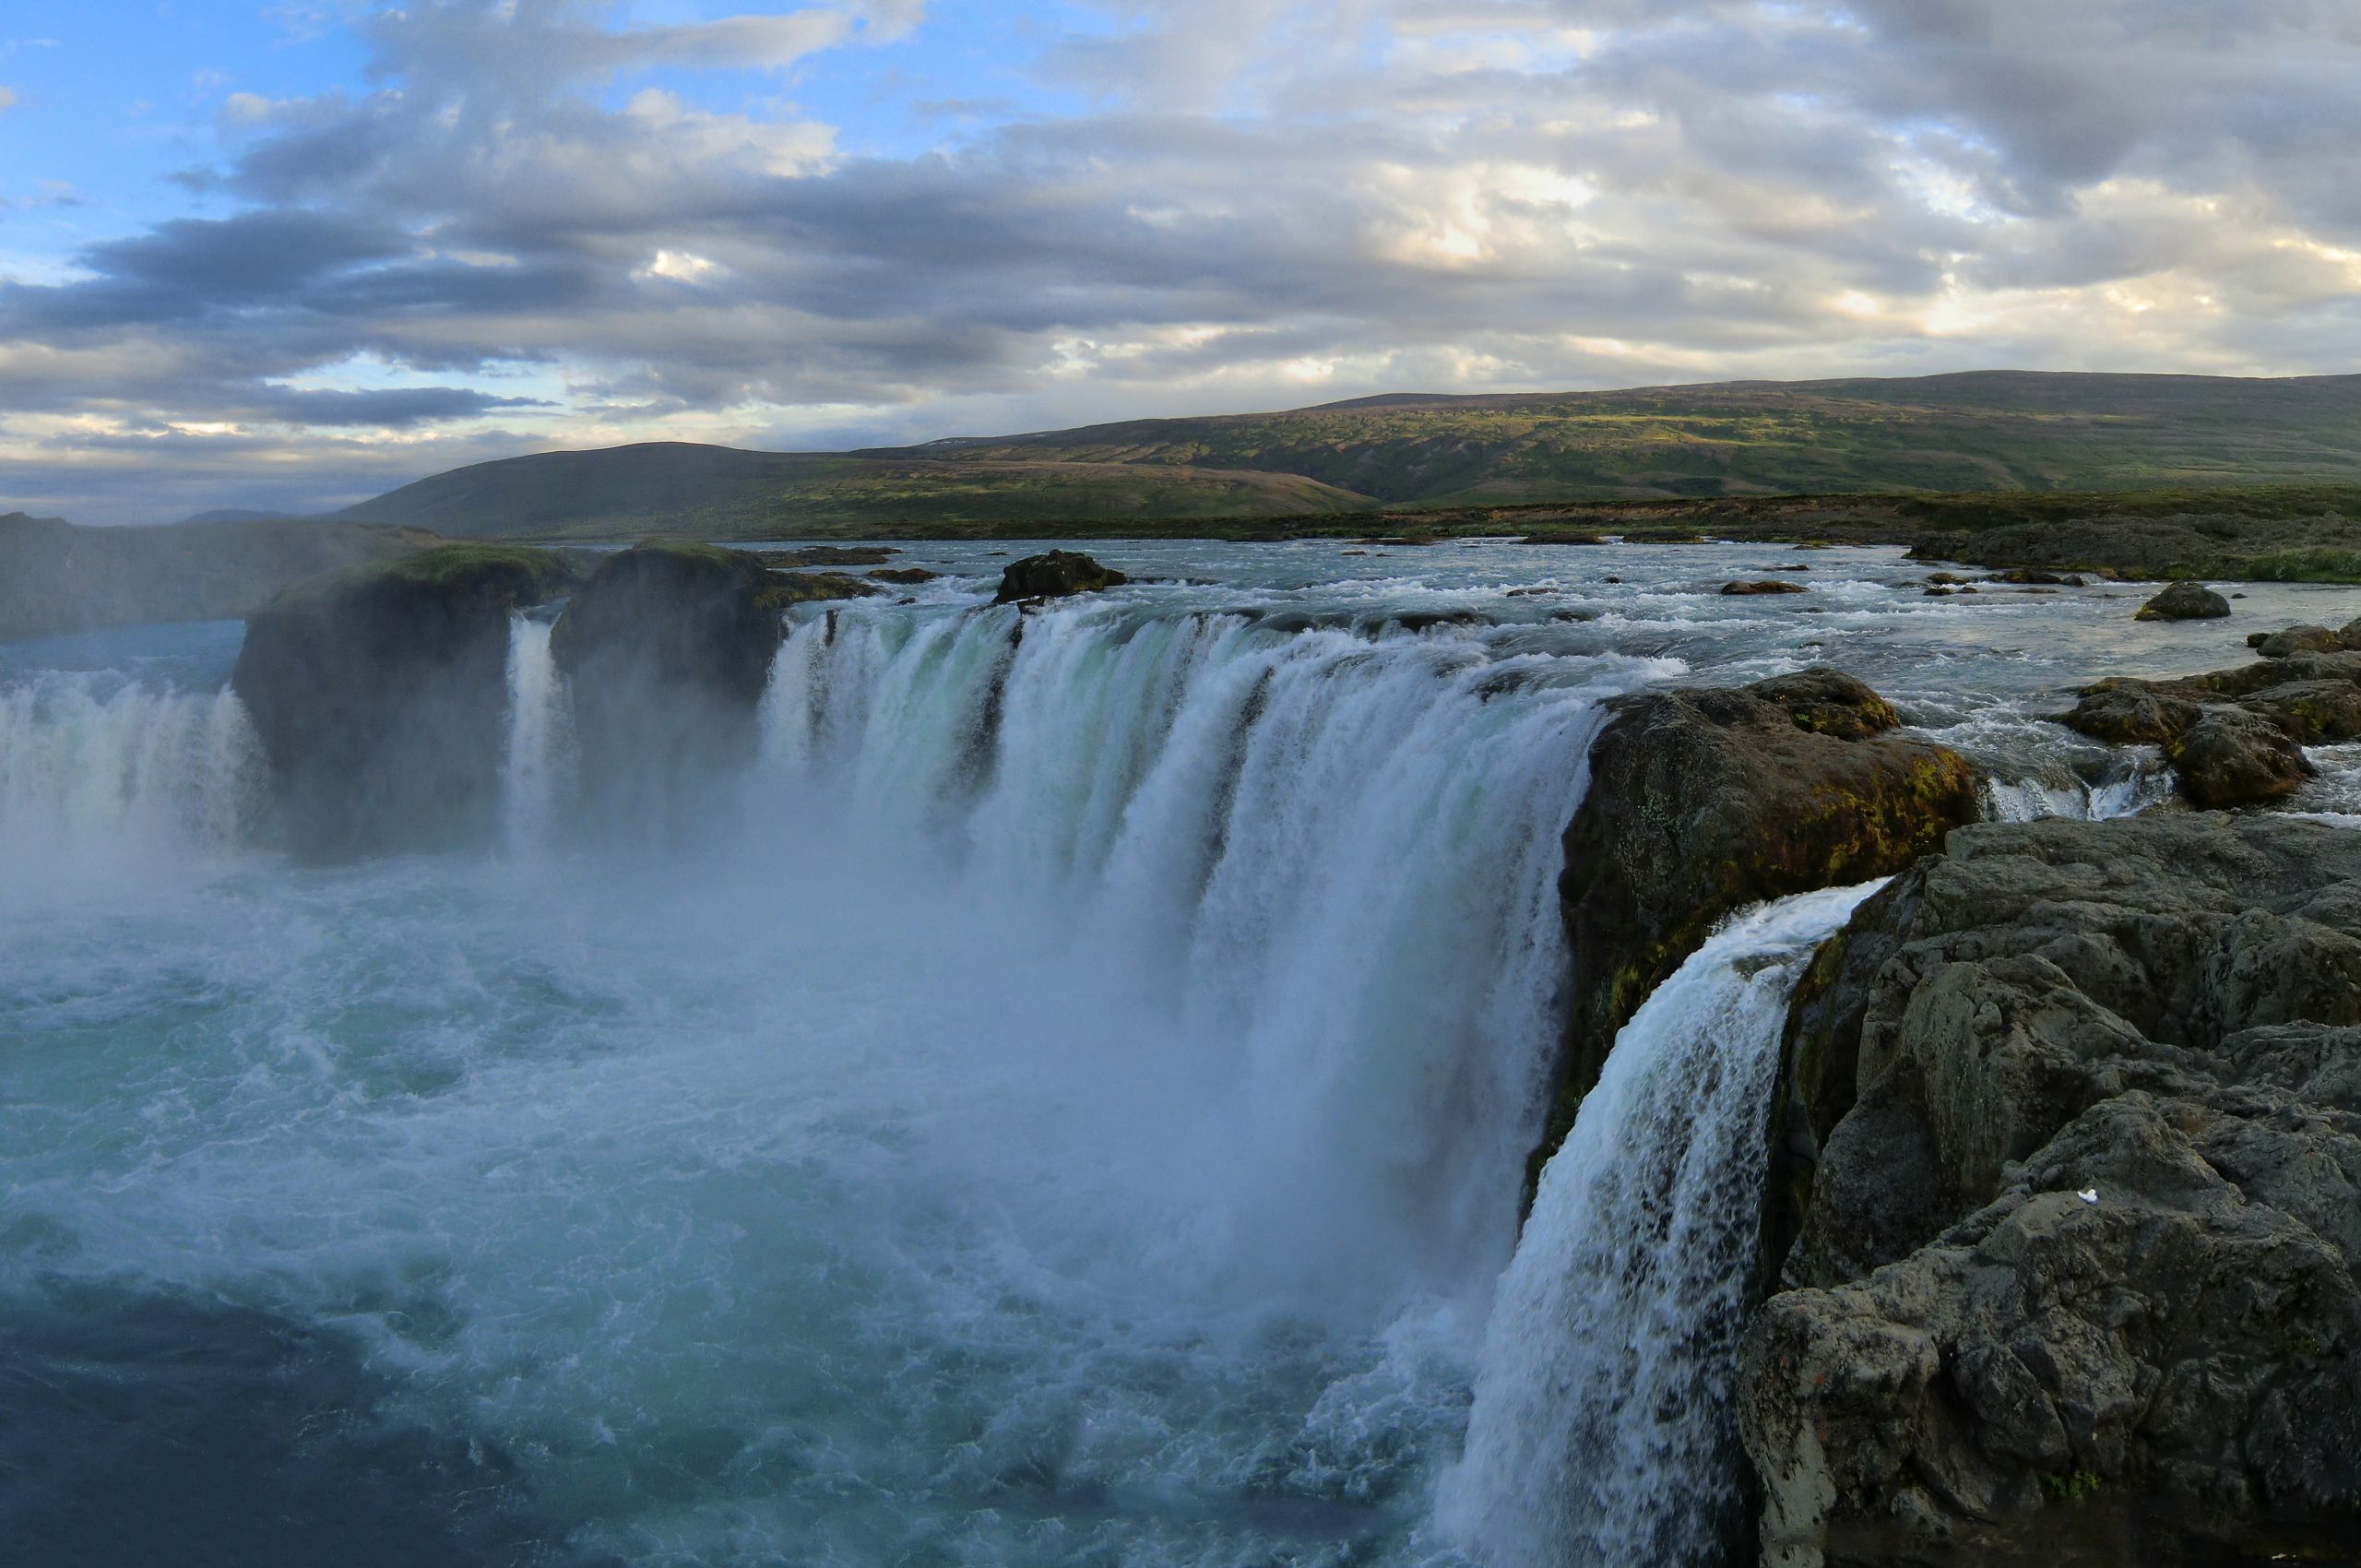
[{"x": 290, "y": 255}]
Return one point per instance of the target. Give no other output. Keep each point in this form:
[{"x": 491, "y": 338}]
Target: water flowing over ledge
[
  {"x": 1603, "y": 1431},
  {"x": 1077, "y": 1086},
  {"x": 100, "y": 774}
]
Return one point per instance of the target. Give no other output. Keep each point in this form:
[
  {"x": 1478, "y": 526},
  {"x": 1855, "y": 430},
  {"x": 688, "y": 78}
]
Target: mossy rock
[
  {"x": 1058, "y": 573},
  {"x": 2185, "y": 601},
  {"x": 1703, "y": 801},
  {"x": 784, "y": 588}
]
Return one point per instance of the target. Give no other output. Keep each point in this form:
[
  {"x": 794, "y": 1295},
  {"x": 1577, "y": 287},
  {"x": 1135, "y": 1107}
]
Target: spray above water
[
  {"x": 107, "y": 777},
  {"x": 1602, "y": 1432},
  {"x": 1067, "y": 1109}
]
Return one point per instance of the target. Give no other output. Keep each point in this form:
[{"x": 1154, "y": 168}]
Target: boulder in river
[
  {"x": 2293, "y": 640},
  {"x": 1056, "y": 575},
  {"x": 2185, "y": 602},
  {"x": 2233, "y": 756},
  {"x": 1767, "y": 585},
  {"x": 2068, "y": 1147},
  {"x": 1702, "y": 801},
  {"x": 667, "y": 650},
  {"x": 2234, "y": 737},
  {"x": 380, "y": 695}
]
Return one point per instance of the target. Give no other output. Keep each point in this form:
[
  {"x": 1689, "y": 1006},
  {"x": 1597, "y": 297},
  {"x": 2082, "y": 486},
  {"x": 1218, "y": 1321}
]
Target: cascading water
[
  {"x": 1333, "y": 857},
  {"x": 1069, "y": 1113},
  {"x": 100, "y": 774},
  {"x": 1601, "y": 1432},
  {"x": 1065, "y": 1108},
  {"x": 540, "y": 753}
]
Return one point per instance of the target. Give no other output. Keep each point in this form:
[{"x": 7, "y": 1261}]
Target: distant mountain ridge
[{"x": 1978, "y": 431}]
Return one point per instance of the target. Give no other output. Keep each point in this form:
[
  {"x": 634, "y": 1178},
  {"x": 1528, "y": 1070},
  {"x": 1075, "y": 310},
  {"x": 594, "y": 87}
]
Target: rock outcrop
[
  {"x": 2185, "y": 602},
  {"x": 2070, "y": 1130},
  {"x": 1703, "y": 802},
  {"x": 2306, "y": 639},
  {"x": 784, "y": 588},
  {"x": 667, "y": 650},
  {"x": 2234, "y": 737},
  {"x": 1766, "y": 586},
  {"x": 381, "y": 694},
  {"x": 1057, "y": 575}
]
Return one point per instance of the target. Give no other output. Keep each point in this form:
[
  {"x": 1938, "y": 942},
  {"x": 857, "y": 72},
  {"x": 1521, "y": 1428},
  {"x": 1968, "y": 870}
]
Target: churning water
[{"x": 1067, "y": 1107}]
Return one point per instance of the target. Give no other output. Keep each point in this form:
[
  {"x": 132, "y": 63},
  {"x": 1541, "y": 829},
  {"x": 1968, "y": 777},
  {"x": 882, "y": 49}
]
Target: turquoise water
[{"x": 1067, "y": 1106}]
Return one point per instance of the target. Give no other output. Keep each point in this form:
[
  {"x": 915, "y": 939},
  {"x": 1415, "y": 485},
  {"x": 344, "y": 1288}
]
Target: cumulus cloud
[{"x": 1260, "y": 202}]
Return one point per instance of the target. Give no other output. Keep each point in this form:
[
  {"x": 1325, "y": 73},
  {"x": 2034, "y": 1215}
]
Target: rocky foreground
[
  {"x": 2075, "y": 1110},
  {"x": 2064, "y": 1207}
]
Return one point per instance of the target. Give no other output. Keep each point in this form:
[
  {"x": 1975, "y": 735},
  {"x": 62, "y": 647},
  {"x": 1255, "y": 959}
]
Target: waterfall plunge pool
[{"x": 1066, "y": 1109}]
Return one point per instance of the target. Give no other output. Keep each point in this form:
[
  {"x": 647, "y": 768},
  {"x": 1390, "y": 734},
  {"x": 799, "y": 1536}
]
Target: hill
[
  {"x": 57, "y": 578},
  {"x": 2000, "y": 431}
]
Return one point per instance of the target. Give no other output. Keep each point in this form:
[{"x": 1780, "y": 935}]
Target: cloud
[
  {"x": 1233, "y": 203},
  {"x": 9, "y": 99}
]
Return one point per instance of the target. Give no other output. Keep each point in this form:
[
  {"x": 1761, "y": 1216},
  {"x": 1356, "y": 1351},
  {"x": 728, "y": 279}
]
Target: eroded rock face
[
  {"x": 1703, "y": 802},
  {"x": 381, "y": 695},
  {"x": 2185, "y": 602},
  {"x": 667, "y": 649},
  {"x": 2074, "y": 1116},
  {"x": 1057, "y": 575}
]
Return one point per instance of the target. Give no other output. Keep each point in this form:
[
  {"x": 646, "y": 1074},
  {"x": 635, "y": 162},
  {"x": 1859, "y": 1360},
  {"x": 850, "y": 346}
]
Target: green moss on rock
[{"x": 1701, "y": 803}]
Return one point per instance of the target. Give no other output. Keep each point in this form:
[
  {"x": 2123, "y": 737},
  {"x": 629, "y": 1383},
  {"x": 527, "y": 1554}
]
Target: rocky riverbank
[
  {"x": 2064, "y": 1201},
  {"x": 2074, "y": 1109}
]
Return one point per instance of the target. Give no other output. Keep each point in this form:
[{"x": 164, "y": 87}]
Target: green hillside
[{"x": 1991, "y": 431}]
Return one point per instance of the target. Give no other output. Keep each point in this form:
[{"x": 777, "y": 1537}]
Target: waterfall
[
  {"x": 1331, "y": 858},
  {"x": 2128, "y": 790},
  {"x": 539, "y": 762},
  {"x": 1602, "y": 1431},
  {"x": 97, "y": 771}
]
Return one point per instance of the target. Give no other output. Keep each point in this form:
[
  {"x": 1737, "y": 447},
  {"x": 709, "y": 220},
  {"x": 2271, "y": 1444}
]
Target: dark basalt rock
[
  {"x": 2070, "y": 1128},
  {"x": 381, "y": 695},
  {"x": 1703, "y": 802},
  {"x": 2185, "y": 602},
  {"x": 1765, "y": 586},
  {"x": 2234, "y": 737},
  {"x": 904, "y": 575},
  {"x": 1057, "y": 575},
  {"x": 667, "y": 650},
  {"x": 2233, "y": 757}
]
